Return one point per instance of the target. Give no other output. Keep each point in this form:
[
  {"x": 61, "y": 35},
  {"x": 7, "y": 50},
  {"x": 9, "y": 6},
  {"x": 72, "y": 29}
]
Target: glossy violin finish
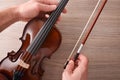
[
  {"x": 49, "y": 46},
  {"x": 39, "y": 40}
]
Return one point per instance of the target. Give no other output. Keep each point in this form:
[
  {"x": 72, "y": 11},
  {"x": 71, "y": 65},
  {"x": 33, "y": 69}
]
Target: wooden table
[{"x": 102, "y": 47}]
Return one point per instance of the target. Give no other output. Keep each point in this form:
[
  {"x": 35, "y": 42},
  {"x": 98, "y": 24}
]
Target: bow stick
[{"x": 82, "y": 39}]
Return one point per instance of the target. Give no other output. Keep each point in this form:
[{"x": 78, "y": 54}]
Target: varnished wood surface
[{"x": 102, "y": 47}]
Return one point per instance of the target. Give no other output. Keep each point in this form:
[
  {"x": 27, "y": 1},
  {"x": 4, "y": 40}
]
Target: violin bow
[{"x": 82, "y": 39}]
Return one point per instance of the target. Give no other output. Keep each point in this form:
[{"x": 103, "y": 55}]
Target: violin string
[
  {"x": 57, "y": 13},
  {"x": 20, "y": 69},
  {"x": 40, "y": 38},
  {"x": 81, "y": 35}
]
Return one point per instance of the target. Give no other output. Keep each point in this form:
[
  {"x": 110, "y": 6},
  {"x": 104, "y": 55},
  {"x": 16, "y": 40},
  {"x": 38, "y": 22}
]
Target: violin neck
[{"x": 43, "y": 32}]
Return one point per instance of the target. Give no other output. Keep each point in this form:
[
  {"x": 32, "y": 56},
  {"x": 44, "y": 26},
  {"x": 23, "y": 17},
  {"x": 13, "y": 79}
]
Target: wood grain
[{"x": 102, "y": 47}]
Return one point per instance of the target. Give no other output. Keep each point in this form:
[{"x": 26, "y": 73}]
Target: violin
[{"x": 40, "y": 39}]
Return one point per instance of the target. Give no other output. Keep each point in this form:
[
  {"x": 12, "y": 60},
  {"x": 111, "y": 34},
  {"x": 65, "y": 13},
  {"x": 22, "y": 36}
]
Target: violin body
[
  {"x": 35, "y": 71},
  {"x": 39, "y": 40}
]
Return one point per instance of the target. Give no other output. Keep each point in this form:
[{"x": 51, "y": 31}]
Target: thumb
[{"x": 70, "y": 67}]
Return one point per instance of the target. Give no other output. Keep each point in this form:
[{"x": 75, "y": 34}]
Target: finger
[
  {"x": 52, "y": 2},
  {"x": 83, "y": 60},
  {"x": 69, "y": 67},
  {"x": 82, "y": 64},
  {"x": 64, "y": 11},
  {"x": 57, "y": 21},
  {"x": 46, "y": 8},
  {"x": 49, "y": 2},
  {"x": 47, "y": 15}
]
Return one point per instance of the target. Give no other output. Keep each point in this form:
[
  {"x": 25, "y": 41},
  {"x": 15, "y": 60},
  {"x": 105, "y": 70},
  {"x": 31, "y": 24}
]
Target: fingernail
[{"x": 70, "y": 61}]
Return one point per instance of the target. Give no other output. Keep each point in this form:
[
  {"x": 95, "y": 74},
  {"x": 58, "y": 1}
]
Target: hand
[
  {"x": 76, "y": 70},
  {"x": 33, "y": 8}
]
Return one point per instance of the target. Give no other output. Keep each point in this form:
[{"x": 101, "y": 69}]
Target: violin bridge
[{"x": 23, "y": 64}]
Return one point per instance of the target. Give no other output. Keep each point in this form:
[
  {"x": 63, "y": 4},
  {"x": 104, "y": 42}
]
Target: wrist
[
  {"x": 15, "y": 13},
  {"x": 8, "y": 16}
]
